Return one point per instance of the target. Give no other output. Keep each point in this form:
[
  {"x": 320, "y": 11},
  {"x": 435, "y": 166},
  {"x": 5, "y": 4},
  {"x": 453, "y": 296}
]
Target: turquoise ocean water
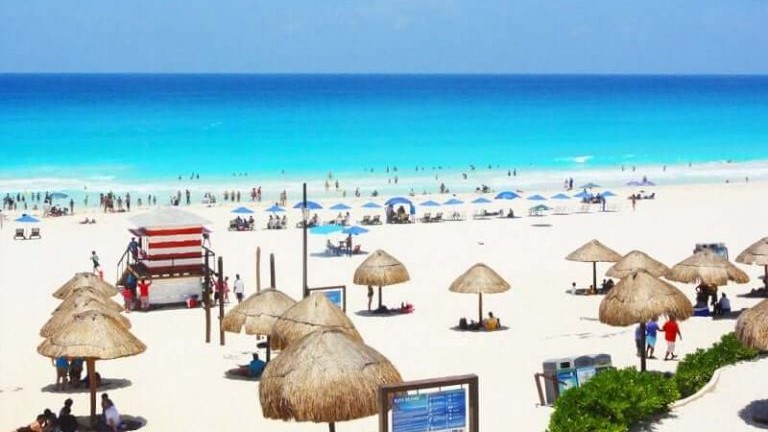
[{"x": 141, "y": 132}]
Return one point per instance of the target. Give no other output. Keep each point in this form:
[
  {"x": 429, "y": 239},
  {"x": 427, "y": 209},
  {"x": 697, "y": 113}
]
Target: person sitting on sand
[
  {"x": 35, "y": 426},
  {"x": 67, "y": 422},
  {"x": 254, "y": 368},
  {"x": 111, "y": 415},
  {"x": 491, "y": 323},
  {"x": 97, "y": 379},
  {"x": 723, "y": 306}
]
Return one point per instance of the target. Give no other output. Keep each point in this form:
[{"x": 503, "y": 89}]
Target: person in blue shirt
[
  {"x": 650, "y": 336},
  {"x": 254, "y": 368}
]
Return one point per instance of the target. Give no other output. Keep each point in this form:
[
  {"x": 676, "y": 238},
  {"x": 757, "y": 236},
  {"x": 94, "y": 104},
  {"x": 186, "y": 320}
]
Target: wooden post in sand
[
  {"x": 221, "y": 301},
  {"x": 90, "y": 364},
  {"x": 258, "y": 269},
  {"x": 272, "y": 280},
  {"x": 207, "y": 298}
]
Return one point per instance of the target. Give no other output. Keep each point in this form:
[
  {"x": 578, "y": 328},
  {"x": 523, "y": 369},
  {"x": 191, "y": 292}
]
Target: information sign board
[{"x": 444, "y": 411}]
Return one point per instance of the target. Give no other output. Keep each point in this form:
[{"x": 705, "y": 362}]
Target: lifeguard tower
[{"x": 171, "y": 254}]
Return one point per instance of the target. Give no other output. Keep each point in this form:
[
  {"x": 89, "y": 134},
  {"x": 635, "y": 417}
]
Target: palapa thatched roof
[
  {"x": 756, "y": 254},
  {"x": 327, "y": 376},
  {"x": 594, "y": 251},
  {"x": 636, "y": 260},
  {"x": 79, "y": 295},
  {"x": 479, "y": 279},
  {"x": 85, "y": 279},
  {"x": 62, "y": 318},
  {"x": 706, "y": 267},
  {"x": 641, "y": 296},
  {"x": 92, "y": 334},
  {"x": 380, "y": 268},
  {"x": 258, "y": 312},
  {"x": 313, "y": 313},
  {"x": 752, "y": 326}
]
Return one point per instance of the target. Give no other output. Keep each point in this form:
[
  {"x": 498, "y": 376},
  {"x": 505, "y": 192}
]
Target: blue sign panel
[
  {"x": 444, "y": 411},
  {"x": 335, "y": 297}
]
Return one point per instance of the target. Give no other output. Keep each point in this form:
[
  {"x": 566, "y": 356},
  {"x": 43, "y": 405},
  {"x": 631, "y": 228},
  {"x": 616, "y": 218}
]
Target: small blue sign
[{"x": 444, "y": 411}]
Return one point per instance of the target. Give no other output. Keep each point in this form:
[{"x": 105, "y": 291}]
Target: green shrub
[
  {"x": 696, "y": 368},
  {"x": 613, "y": 401}
]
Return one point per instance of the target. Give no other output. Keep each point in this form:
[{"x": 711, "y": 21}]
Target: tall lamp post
[{"x": 305, "y": 219}]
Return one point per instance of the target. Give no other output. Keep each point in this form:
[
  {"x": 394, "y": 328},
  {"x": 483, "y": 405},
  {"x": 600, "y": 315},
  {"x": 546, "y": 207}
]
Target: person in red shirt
[
  {"x": 671, "y": 331},
  {"x": 144, "y": 293}
]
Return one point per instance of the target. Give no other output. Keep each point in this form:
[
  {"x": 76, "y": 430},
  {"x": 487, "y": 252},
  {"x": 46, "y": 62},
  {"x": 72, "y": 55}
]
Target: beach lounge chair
[
  {"x": 366, "y": 220},
  {"x": 438, "y": 217},
  {"x": 232, "y": 225},
  {"x": 376, "y": 220},
  {"x": 356, "y": 250},
  {"x": 426, "y": 218},
  {"x": 35, "y": 234},
  {"x": 19, "y": 234}
]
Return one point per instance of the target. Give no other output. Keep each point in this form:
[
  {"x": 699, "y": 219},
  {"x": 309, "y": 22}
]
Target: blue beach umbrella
[
  {"x": 275, "y": 208},
  {"x": 398, "y": 200},
  {"x": 355, "y": 230},
  {"x": 430, "y": 203},
  {"x": 537, "y": 197},
  {"x": 583, "y": 194},
  {"x": 481, "y": 200},
  {"x": 507, "y": 195},
  {"x": 607, "y": 194},
  {"x": 311, "y": 205},
  {"x": 453, "y": 201},
  {"x": 326, "y": 229},
  {"x": 561, "y": 196},
  {"x": 242, "y": 210},
  {"x": 340, "y": 206},
  {"x": 27, "y": 219},
  {"x": 589, "y": 185},
  {"x": 57, "y": 195},
  {"x": 371, "y": 205}
]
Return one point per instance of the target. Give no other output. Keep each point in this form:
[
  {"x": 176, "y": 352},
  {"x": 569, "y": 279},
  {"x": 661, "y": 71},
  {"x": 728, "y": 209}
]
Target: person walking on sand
[
  {"x": 651, "y": 329},
  {"x": 239, "y": 288},
  {"x": 634, "y": 201},
  {"x": 671, "y": 331},
  {"x": 370, "y": 297},
  {"x": 95, "y": 261}
]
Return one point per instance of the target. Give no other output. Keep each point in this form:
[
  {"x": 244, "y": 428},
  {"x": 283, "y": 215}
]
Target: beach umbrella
[
  {"x": 326, "y": 229},
  {"x": 355, "y": 230},
  {"x": 398, "y": 200},
  {"x": 258, "y": 313},
  {"x": 582, "y": 194},
  {"x": 481, "y": 200},
  {"x": 78, "y": 295},
  {"x": 83, "y": 280},
  {"x": 752, "y": 326},
  {"x": 430, "y": 203},
  {"x": 25, "y": 218},
  {"x": 382, "y": 269},
  {"x": 589, "y": 185},
  {"x": 340, "y": 206},
  {"x": 242, "y": 210},
  {"x": 507, "y": 195},
  {"x": 275, "y": 208},
  {"x": 593, "y": 251},
  {"x": 58, "y": 195},
  {"x": 327, "y": 377},
  {"x": 708, "y": 268},
  {"x": 453, "y": 201},
  {"x": 756, "y": 254},
  {"x": 311, "y": 205},
  {"x": 537, "y": 197},
  {"x": 640, "y": 297},
  {"x": 636, "y": 260},
  {"x": 63, "y": 317},
  {"x": 314, "y": 312},
  {"x": 92, "y": 335},
  {"x": 560, "y": 196},
  {"x": 607, "y": 194},
  {"x": 371, "y": 205},
  {"x": 479, "y": 279},
  {"x": 538, "y": 210}
]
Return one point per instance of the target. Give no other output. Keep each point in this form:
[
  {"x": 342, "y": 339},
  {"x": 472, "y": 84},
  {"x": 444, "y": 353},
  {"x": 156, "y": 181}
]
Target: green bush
[
  {"x": 613, "y": 401},
  {"x": 696, "y": 368}
]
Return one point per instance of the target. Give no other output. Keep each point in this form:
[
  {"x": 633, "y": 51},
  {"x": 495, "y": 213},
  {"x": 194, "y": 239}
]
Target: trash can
[
  {"x": 585, "y": 368},
  {"x": 562, "y": 369},
  {"x": 602, "y": 362}
]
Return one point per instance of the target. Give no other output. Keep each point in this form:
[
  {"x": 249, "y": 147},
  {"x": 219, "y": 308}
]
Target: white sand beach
[{"x": 179, "y": 384}]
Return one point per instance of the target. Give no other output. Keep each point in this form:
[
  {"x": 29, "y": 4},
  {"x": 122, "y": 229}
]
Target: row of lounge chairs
[
  {"x": 368, "y": 220},
  {"x": 34, "y": 234},
  {"x": 240, "y": 224}
]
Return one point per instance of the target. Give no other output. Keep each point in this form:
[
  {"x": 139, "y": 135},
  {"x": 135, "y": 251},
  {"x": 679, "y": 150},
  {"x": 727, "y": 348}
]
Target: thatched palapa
[
  {"x": 327, "y": 376},
  {"x": 258, "y": 313},
  {"x": 636, "y": 260},
  {"x": 479, "y": 279},
  {"x": 593, "y": 251},
  {"x": 85, "y": 279},
  {"x": 82, "y": 294},
  {"x": 639, "y": 297},
  {"x": 756, "y": 254},
  {"x": 752, "y": 326},
  {"x": 380, "y": 269},
  {"x": 62, "y": 318},
  {"x": 313, "y": 313},
  {"x": 708, "y": 268}
]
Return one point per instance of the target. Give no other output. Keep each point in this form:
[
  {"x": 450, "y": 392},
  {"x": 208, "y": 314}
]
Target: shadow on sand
[
  {"x": 106, "y": 385},
  {"x": 756, "y": 414}
]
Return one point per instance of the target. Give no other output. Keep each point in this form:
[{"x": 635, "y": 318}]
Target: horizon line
[{"x": 447, "y": 74}]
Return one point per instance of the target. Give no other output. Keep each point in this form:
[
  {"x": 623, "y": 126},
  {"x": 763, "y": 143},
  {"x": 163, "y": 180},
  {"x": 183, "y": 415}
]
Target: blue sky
[{"x": 385, "y": 36}]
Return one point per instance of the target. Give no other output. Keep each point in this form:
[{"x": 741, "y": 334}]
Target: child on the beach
[{"x": 671, "y": 331}]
